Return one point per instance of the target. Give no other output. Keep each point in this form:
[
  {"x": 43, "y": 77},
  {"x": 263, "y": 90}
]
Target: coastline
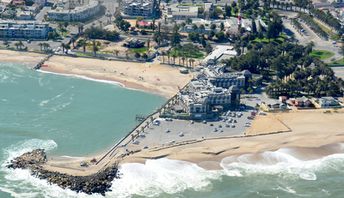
[
  {"x": 307, "y": 130},
  {"x": 26, "y": 58},
  {"x": 150, "y": 77},
  {"x": 310, "y": 129}
]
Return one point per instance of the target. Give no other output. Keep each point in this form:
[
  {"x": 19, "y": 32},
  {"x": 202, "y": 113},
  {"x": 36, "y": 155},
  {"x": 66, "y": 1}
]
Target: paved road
[{"x": 309, "y": 36}]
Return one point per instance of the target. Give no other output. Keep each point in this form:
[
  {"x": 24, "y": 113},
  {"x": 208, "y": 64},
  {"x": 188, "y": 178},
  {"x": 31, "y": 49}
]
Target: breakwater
[{"x": 99, "y": 182}]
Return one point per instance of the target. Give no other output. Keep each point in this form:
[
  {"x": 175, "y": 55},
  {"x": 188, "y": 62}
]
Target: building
[
  {"x": 219, "y": 53},
  {"x": 226, "y": 80},
  {"x": 79, "y": 13},
  {"x": 143, "y": 8},
  {"x": 181, "y": 12},
  {"x": 29, "y": 30},
  {"x": 203, "y": 100},
  {"x": 327, "y": 102}
]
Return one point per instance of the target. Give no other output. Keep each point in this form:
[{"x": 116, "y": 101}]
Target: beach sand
[
  {"x": 27, "y": 58},
  {"x": 151, "y": 77},
  {"x": 307, "y": 129}
]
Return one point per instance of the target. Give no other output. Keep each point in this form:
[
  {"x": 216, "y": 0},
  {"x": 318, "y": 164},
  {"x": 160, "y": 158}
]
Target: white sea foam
[
  {"x": 165, "y": 176},
  {"x": 284, "y": 162},
  {"x": 91, "y": 79},
  {"x": 84, "y": 77},
  {"x": 161, "y": 176}
]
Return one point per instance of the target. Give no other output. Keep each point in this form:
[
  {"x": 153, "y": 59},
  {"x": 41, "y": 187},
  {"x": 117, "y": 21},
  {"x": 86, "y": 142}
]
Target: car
[
  {"x": 168, "y": 119},
  {"x": 181, "y": 134},
  {"x": 145, "y": 147},
  {"x": 156, "y": 122}
]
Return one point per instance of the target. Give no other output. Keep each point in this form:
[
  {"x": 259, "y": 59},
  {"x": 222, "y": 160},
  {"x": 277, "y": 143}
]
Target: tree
[
  {"x": 222, "y": 26},
  {"x": 63, "y": 45},
  {"x": 228, "y": 11},
  {"x": 213, "y": 26},
  {"x": 82, "y": 43},
  {"x": 254, "y": 26},
  {"x": 208, "y": 48},
  {"x": 95, "y": 47},
  {"x": 220, "y": 36},
  {"x": 80, "y": 28},
  {"x": 137, "y": 55},
  {"x": 116, "y": 52},
  {"x": 41, "y": 46},
  {"x": 175, "y": 38}
]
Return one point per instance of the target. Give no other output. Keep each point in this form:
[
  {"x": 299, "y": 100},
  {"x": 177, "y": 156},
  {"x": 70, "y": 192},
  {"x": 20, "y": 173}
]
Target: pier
[{"x": 39, "y": 65}]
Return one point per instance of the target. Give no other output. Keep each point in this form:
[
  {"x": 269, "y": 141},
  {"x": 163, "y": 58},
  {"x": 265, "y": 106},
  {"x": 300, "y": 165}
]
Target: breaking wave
[
  {"x": 165, "y": 176},
  {"x": 302, "y": 163}
]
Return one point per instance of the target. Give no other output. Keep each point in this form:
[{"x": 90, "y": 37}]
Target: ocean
[{"x": 72, "y": 116}]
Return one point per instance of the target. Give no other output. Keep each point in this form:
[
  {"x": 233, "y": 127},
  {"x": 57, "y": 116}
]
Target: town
[
  {"x": 232, "y": 77},
  {"x": 243, "y": 59}
]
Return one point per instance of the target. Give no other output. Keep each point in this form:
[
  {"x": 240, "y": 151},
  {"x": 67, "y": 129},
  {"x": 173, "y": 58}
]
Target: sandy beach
[
  {"x": 151, "y": 77},
  {"x": 306, "y": 129},
  {"x": 27, "y": 58}
]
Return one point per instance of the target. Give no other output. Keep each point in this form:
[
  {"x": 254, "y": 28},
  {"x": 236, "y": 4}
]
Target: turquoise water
[{"x": 72, "y": 116}]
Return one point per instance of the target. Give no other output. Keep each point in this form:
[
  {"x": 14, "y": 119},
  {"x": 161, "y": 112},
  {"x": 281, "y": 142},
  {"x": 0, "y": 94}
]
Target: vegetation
[
  {"x": 187, "y": 50},
  {"x": 297, "y": 24},
  {"x": 138, "y": 50},
  {"x": 339, "y": 62},
  {"x": 314, "y": 26},
  {"x": 122, "y": 24},
  {"x": 327, "y": 18},
  {"x": 289, "y": 69},
  {"x": 321, "y": 54},
  {"x": 98, "y": 33}
]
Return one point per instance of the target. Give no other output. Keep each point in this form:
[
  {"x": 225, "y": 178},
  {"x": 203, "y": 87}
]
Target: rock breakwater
[{"x": 96, "y": 183}]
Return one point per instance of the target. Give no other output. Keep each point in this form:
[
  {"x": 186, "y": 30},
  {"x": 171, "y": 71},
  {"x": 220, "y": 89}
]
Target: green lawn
[
  {"x": 322, "y": 54},
  {"x": 138, "y": 50},
  {"x": 188, "y": 51},
  {"x": 339, "y": 62}
]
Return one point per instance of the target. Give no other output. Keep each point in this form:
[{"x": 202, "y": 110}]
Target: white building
[
  {"x": 219, "y": 53},
  {"x": 179, "y": 12},
  {"x": 135, "y": 8},
  {"x": 79, "y": 13},
  {"x": 27, "y": 30}
]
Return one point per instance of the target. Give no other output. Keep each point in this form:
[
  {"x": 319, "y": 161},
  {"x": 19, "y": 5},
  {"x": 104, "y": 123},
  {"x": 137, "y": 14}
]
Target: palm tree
[
  {"x": 63, "y": 45},
  {"x": 116, "y": 52},
  {"x": 6, "y": 43},
  {"x": 16, "y": 45},
  {"x": 163, "y": 53},
  {"x": 67, "y": 48},
  {"x": 83, "y": 44},
  {"x": 192, "y": 61},
  {"x": 183, "y": 59},
  {"x": 19, "y": 45},
  {"x": 80, "y": 28},
  {"x": 95, "y": 47},
  {"x": 72, "y": 40},
  {"x": 46, "y": 46},
  {"x": 40, "y": 46},
  {"x": 174, "y": 58}
]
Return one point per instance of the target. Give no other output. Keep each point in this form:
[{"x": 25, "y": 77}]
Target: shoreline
[
  {"x": 152, "y": 77},
  {"x": 308, "y": 130}
]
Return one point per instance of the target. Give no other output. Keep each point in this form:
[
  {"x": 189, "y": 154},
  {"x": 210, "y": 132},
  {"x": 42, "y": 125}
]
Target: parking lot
[{"x": 169, "y": 131}]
